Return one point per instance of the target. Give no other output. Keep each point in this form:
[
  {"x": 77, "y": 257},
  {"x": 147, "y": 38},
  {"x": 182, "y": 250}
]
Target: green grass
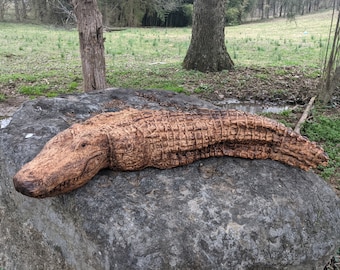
[
  {"x": 32, "y": 54},
  {"x": 2, "y": 97},
  {"x": 36, "y": 90},
  {"x": 286, "y": 113},
  {"x": 327, "y": 131},
  {"x": 262, "y": 76},
  {"x": 144, "y": 57}
]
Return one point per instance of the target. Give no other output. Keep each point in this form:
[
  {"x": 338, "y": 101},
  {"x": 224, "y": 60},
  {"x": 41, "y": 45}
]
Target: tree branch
[{"x": 304, "y": 115}]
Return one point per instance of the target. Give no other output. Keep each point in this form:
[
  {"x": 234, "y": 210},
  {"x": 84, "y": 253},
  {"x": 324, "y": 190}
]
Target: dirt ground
[
  {"x": 275, "y": 86},
  {"x": 281, "y": 86}
]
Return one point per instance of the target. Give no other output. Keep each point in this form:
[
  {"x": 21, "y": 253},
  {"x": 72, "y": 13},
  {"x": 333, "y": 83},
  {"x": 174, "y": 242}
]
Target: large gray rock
[{"x": 219, "y": 213}]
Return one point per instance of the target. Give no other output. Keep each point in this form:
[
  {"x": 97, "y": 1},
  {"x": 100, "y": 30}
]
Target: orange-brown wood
[{"x": 134, "y": 139}]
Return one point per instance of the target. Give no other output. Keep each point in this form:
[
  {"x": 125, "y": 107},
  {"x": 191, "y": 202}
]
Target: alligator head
[{"x": 68, "y": 161}]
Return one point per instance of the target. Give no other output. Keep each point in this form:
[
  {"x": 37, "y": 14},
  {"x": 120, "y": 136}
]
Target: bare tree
[
  {"x": 20, "y": 10},
  {"x": 40, "y": 10},
  {"x": 65, "y": 9},
  {"x": 90, "y": 28},
  {"x": 3, "y": 7},
  {"x": 207, "y": 50},
  {"x": 331, "y": 72}
]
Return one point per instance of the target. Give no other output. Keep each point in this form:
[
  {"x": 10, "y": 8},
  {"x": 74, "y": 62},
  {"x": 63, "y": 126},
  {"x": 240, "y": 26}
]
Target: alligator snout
[
  {"x": 27, "y": 188},
  {"x": 27, "y": 184}
]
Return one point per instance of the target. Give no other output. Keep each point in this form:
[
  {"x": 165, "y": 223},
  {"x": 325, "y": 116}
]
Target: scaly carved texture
[
  {"x": 132, "y": 140},
  {"x": 165, "y": 139}
]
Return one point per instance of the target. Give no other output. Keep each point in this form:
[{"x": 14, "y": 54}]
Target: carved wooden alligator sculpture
[{"x": 132, "y": 140}]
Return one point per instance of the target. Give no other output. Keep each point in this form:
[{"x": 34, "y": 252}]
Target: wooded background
[{"x": 165, "y": 13}]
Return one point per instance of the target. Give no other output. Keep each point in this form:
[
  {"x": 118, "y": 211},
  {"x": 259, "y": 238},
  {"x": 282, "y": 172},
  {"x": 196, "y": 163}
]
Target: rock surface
[{"x": 218, "y": 213}]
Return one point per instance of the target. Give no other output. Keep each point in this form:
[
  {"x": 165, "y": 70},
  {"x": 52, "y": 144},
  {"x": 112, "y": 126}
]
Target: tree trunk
[
  {"x": 40, "y": 10},
  {"x": 24, "y": 9},
  {"x": 17, "y": 11},
  {"x": 207, "y": 50},
  {"x": 266, "y": 9},
  {"x": 2, "y": 10},
  {"x": 90, "y": 28},
  {"x": 331, "y": 72}
]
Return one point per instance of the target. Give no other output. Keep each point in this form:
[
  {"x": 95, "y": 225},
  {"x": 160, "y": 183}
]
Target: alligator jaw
[
  {"x": 68, "y": 161},
  {"x": 34, "y": 185}
]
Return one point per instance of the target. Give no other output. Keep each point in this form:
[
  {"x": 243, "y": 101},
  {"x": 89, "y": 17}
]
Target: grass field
[
  {"x": 48, "y": 58},
  {"x": 45, "y": 61}
]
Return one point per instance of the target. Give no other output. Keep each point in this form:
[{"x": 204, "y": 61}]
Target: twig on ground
[{"x": 304, "y": 115}]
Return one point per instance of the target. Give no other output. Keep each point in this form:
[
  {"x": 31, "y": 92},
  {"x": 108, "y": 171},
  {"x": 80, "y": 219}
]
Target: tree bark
[
  {"x": 2, "y": 10},
  {"x": 331, "y": 72},
  {"x": 17, "y": 11},
  {"x": 207, "y": 50},
  {"x": 24, "y": 9},
  {"x": 90, "y": 28},
  {"x": 40, "y": 10}
]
